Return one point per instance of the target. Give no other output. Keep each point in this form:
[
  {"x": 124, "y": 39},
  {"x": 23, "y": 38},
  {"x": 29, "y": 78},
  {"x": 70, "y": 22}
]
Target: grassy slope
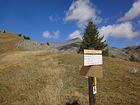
[
  {"x": 118, "y": 87},
  {"x": 7, "y": 42},
  {"x": 53, "y": 78}
]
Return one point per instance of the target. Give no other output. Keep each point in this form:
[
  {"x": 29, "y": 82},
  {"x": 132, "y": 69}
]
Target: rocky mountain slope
[
  {"x": 14, "y": 42},
  {"x": 128, "y": 53},
  {"x": 123, "y": 53},
  {"x": 33, "y": 46},
  {"x": 133, "y": 51},
  {"x": 69, "y": 45}
]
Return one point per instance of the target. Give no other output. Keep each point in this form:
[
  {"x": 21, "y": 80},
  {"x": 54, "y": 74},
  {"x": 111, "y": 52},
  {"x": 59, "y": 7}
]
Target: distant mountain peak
[
  {"x": 74, "y": 40},
  {"x": 77, "y": 38},
  {"x": 133, "y": 47}
]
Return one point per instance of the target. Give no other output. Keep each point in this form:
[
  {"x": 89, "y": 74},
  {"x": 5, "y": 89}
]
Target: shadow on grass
[{"x": 75, "y": 102}]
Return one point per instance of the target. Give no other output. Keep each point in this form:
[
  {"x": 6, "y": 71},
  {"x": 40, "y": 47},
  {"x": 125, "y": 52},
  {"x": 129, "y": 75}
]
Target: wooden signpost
[{"x": 92, "y": 68}]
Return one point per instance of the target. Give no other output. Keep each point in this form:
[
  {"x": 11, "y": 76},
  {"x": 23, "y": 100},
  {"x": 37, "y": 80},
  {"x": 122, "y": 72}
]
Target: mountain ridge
[
  {"x": 71, "y": 45},
  {"x": 123, "y": 53}
]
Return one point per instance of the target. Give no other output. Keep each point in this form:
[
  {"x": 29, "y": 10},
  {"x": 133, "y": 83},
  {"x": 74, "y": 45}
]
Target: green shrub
[
  {"x": 26, "y": 37},
  {"x": 4, "y": 31},
  {"x": 20, "y": 35},
  {"x": 134, "y": 58},
  {"x": 105, "y": 52}
]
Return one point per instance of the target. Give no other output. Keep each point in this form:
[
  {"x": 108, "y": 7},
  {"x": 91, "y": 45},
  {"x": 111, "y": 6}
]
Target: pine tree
[
  {"x": 92, "y": 39},
  {"x": 4, "y": 31}
]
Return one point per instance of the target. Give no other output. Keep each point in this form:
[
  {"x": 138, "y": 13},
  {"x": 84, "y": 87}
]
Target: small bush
[
  {"x": 19, "y": 35},
  {"x": 133, "y": 58},
  {"x": 4, "y": 31},
  {"x": 105, "y": 52},
  {"x": 48, "y": 43},
  {"x": 26, "y": 37}
]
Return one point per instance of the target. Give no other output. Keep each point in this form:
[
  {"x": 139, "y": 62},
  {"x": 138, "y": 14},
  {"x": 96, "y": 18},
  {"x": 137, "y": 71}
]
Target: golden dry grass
[
  {"x": 7, "y": 42},
  {"x": 53, "y": 78},
  {"x": 119, "y": 86}
]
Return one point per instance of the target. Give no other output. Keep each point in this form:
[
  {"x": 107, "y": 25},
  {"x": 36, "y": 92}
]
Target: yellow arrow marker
[{"x": 94, "y": 81}]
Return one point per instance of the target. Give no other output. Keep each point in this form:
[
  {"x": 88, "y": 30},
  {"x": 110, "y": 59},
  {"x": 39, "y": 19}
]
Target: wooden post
[
  {"x": 92, "y": 99},
  {"x": 92, "y": 67}
]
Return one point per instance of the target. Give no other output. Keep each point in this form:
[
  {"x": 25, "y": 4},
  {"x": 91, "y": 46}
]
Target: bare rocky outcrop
[
  {"x": 69, "y": 45},
  {"x": 33, "y": 46},
  {"x": 133, "y": 51},
  {"x": 118, "y": 53}
]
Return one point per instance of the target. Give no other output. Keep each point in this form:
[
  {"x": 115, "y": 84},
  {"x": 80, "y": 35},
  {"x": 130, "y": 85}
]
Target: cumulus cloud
[
  {"x": 123, "y": 30},
  {"x": 53, "y": 35},
  {"x": 75, "y": 34},
  {"x": 82, "y": 11},
  {"x": 132, "y": 13}
]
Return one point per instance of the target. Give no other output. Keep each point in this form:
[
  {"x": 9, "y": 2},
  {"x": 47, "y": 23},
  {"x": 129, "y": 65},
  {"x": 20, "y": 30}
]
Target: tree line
[{"x": 25, "y": 37}]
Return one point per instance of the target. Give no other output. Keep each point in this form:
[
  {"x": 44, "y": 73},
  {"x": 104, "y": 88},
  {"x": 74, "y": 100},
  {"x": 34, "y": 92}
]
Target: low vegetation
[
  {"x": 53, "y": 78},
  {"x": 25, "y": 37},
  {"x": 133, "y": 58},
  {"x": 4, "y": 31},
  {"x": 8, "y": 42}
]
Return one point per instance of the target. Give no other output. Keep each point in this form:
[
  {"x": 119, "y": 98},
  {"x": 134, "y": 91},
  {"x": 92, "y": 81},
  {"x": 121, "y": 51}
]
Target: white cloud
[
  {"x": 133, "y": 12},
  {"x": 123, "y": 30},
  {"x": 54, "y": 18},
  {"x": 75, "y": 34},
  {"x": 82, "y": 11},
  {"x": 53, "y": 35},
  {"x": 139, "y": 21}
]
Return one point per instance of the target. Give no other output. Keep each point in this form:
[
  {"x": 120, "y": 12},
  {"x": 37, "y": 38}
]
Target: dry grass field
[
  {"x": 7, "y": 42},
  {"x": 53, "y": 78}
]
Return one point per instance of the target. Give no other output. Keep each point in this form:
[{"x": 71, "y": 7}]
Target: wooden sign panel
[
  {"x": 90, "y": 60},
  {"x": 92, "y": 57},
  {"x": 93, "y": 71},
  {"x": 92, "y": 63}
]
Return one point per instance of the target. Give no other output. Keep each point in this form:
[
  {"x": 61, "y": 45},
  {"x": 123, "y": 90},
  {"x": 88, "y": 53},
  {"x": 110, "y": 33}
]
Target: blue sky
[{"x": 60, "y": 20}]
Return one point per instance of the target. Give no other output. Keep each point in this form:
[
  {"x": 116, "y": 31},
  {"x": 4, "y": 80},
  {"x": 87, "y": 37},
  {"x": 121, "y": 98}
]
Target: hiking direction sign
[
  {"x": 92, "y": 63},
  {"x": 92, "y": 68},
  {"x": 92, "y": 57}
]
